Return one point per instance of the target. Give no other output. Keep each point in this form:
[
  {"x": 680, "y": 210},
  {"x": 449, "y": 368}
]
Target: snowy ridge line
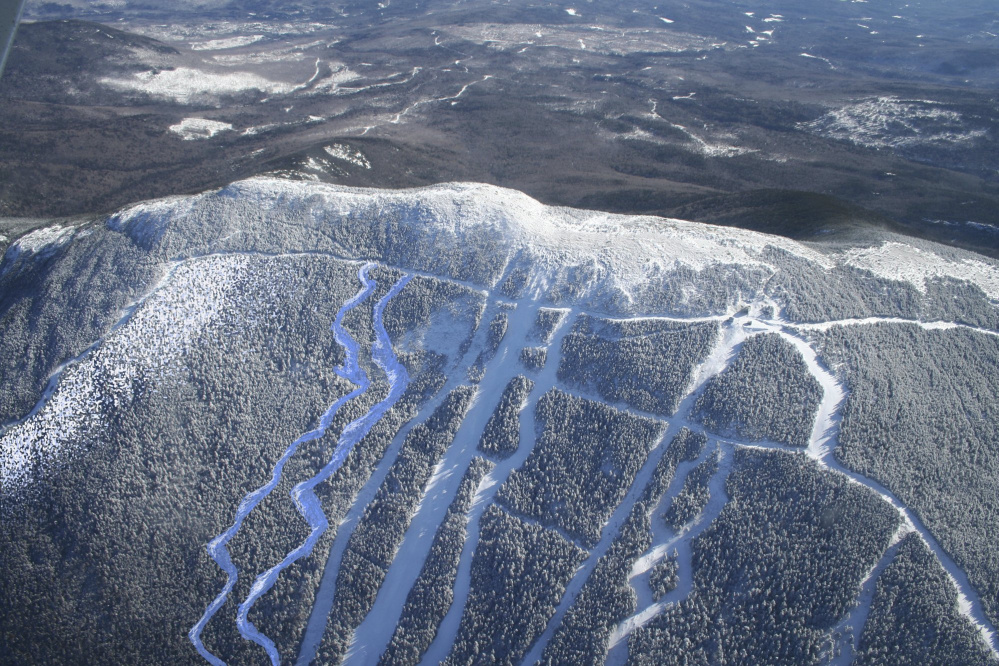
[
  {"x": 447, "y": 632},
  {"x": 372, "y": 636},
  {"x": 303, "y": 493},
  {"x": 682, "y": 542},
  {"x": 847, "y": 633},
  {"x": 217, "y": 547}
]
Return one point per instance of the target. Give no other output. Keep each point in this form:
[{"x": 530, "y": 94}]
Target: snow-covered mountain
[{"x": 290, "y": 422}]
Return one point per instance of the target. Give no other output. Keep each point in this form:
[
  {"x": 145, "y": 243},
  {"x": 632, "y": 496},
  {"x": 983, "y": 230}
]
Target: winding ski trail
[
  {"x": 217, "y": 547},
  {"x": 681, "y": 541},
  {"x": 821, "y": 448},
  {"x": 303, "y": 493}
]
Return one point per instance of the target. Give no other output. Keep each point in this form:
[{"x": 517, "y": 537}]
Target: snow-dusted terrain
[{"x": 627, "y": 278}]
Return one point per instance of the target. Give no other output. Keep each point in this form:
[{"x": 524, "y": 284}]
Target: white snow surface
[
  {"x": 188, "y": 85},
  {"x": 191, "y": 129},
  {"x": 348, "y": 154},
  {"x": 626, "y": 251},
  {"x": 890, "y": 122},
  {"x": 898, "y": 261},
  {"x": 226, "y": 43}
]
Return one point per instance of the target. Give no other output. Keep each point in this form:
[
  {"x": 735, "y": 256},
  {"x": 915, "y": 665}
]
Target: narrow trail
[
  {"x": 374, "y": 633},
  {"x": 681, "y": 541},
  {"x": 448, "y": 631},
  {"x": 844, "y": 639},
  {"x": 303, "y": 493},
  {"x": 870, "y": 321},
  {"x": 821, "y": 448},
  {"x": 717, "y": 359},
  {"x": 218, "y": 547}
]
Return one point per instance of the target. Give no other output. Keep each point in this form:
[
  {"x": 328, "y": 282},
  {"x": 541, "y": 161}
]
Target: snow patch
[
  {"x": 347, "y": 154},
  {"x": 191, "y": 129},
  {"x": 889, "y": 122},
  {"x": 898, "y": 261},
  {"x": 226, "y": 43},
  {"x": 143, "y": 352},
  {"x": 187, "y": 85}
]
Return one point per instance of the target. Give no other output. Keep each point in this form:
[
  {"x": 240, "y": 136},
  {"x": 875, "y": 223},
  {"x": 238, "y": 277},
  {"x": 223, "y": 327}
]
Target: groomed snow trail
[
  {"x": 821, "y": 448},
  {"x": 447, "y": 633},
  {"x": 682, "y": 542},
  {"x": 303, "y": 493},
  {"x": 351, "y": 370},
  {"x": 373, "y": 635},
  {"x": 844, "y": 640},
  {"x": 319, "y": 618}
]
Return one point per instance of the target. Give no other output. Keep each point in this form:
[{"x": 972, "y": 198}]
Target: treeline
[
  {"x": 583, "y": 463},
  {"x": 811, "y": 293},
  {"x": 281, "y": 217}
]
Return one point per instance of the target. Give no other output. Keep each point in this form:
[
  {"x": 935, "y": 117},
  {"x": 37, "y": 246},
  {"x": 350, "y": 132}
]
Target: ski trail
[
  {"x": 870, "y": 321},
  {"x": 844, "y": 640},
  {"x": 323, "y": 604},
  {"x": 448, "y": 631},
  {"x": 822, "y": 447},
  {"x": 373, "y": 635},
  {"x": 721, "y": 354},
  {"x": 663, "y": 537},
  {"x": 303, "y": 494},
  {"x": 682, "y": 542},
  {"x": 217, "y": 547}
]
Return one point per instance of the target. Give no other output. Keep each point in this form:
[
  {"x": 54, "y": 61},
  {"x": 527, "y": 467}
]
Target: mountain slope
[{"x": 565, "y": 418}]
